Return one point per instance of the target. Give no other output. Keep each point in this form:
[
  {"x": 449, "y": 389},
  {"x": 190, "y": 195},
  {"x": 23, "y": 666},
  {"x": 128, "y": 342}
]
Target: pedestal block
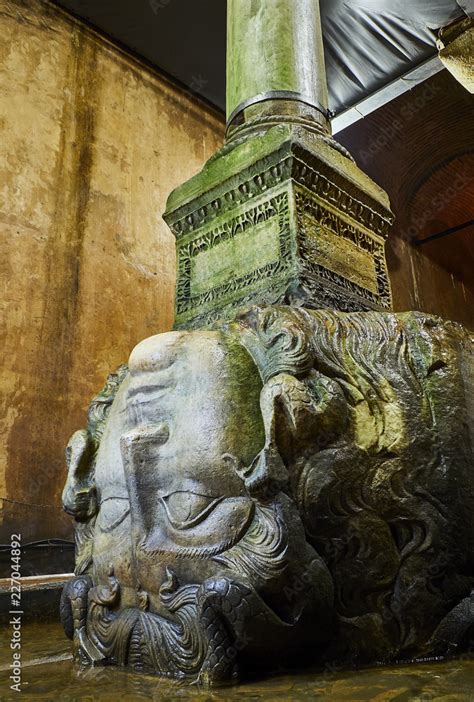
[{"x": 286, "y": 216}]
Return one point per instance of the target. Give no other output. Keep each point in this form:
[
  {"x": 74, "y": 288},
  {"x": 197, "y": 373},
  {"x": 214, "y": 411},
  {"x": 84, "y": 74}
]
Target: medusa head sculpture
[{"x": 294, "y": 486}]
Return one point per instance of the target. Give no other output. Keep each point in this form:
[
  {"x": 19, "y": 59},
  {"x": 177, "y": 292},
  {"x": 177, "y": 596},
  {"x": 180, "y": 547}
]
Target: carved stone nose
[{"x": 148, "y": 435}]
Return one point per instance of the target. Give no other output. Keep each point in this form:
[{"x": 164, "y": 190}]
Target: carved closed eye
[{"x": 185, "y": 509}]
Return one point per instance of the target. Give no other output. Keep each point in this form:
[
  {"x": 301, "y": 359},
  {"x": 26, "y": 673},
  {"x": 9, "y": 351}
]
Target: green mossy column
[
  {"x": 281, "y": 214},
  {"x": 275, "y": 46}
]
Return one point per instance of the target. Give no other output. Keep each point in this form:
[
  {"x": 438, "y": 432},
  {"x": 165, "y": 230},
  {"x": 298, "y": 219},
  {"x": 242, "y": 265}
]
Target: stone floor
[{"x": 49, "y": 674}]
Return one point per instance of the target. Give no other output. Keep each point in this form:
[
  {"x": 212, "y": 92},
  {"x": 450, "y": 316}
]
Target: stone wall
[{"x": 92, "y": 144}]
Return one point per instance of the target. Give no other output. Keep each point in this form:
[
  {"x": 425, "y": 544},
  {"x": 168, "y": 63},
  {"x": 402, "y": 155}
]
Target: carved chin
[{"x": 218, "y": 526}]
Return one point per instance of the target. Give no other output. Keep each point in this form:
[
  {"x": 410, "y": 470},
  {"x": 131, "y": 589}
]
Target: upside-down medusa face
[
  {"x": 193, "y": 424},
  {"x": 186, "y": 465}
]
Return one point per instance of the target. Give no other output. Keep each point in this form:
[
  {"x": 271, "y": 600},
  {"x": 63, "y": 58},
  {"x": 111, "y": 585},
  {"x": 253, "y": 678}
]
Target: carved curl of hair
[
  {"x": 277, "y": 340},
  {"x": 99, "y": 408}
]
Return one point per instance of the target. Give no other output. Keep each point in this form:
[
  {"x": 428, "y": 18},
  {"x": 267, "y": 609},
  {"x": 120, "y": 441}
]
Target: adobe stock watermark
[
  {"x": 197, "y": 84},
  {"x": 306, "y": 580},
  {"x": 16, "y": 611},
  {"x": 436, "y": 205},
  {"x": 386, "y": 135},
  {"x": 157, "y": 5}
]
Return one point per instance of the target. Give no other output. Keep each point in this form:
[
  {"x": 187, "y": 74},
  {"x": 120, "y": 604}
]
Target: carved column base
[{"x": 283, "y": 216}]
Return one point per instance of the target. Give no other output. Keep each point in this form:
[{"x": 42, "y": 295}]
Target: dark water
[{"x": 49, "y": 674}]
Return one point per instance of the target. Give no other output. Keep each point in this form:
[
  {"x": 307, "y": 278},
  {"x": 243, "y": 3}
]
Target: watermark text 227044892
[{"x": 16, "y": 611}]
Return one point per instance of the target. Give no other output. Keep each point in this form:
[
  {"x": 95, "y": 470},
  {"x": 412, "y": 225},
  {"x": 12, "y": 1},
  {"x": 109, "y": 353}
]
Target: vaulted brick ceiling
[{"x": 420, "y": 148}]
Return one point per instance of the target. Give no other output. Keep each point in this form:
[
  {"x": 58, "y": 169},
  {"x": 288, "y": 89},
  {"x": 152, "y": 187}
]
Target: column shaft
[{"x": 275, "y": 55}]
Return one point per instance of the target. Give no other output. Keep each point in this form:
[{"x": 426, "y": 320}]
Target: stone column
[
  {"x": 456, "y": 51},
  {"x": 281, "y": 214},
  {"x": 275, "y": 62}
]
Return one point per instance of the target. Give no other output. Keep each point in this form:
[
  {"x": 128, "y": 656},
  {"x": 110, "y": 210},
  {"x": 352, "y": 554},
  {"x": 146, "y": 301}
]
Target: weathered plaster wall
[{"x": 92, "y": 143}]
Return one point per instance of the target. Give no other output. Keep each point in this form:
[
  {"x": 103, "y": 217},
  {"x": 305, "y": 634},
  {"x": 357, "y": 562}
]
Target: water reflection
[{"x": 48, "y": 675}]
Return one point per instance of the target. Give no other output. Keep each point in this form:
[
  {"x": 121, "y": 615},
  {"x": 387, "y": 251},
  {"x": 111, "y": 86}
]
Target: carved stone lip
[{"x": 209, "y": 503}]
